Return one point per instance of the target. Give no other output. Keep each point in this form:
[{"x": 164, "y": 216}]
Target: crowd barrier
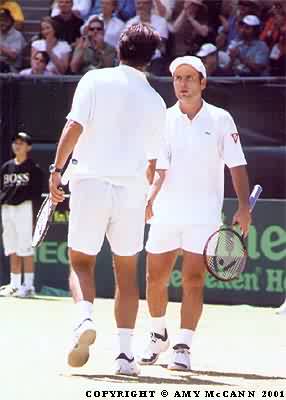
[{"x": 40, "y": 105}]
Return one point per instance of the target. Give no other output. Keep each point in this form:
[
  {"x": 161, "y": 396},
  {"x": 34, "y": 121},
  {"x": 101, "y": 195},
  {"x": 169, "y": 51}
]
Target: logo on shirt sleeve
[{"x": 235, "y": 137}]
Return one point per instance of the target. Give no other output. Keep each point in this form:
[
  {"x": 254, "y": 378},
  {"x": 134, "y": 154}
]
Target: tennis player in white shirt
[
  {"x": 187, "y": 203},
  {"x": 114, "y": 130}
]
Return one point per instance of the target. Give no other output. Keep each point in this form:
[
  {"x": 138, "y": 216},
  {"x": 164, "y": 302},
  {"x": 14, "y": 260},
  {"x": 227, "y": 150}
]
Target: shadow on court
[
  {"x": 233, "y": 374},
  {"x": 180, "y": 379}
]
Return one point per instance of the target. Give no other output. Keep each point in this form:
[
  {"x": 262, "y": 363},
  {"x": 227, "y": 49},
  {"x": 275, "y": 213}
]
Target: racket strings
[{"x": 227, "y": 254}]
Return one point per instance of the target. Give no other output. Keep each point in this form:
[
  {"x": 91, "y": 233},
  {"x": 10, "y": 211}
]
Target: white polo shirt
[
  {"x": 123, "y": 120},
  {"x": 196, "y": 153}
]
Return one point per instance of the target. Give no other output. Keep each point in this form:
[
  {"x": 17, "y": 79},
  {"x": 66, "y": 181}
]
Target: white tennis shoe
[
  {"x": 8, "y": 291},
  {"x": 180, "y": 358},
  {"x": 84, "y": 337},
  {"x": 158, "y": 344},
  {"x": 25, "y": 292},
  {"x": 126, "y": 366}
]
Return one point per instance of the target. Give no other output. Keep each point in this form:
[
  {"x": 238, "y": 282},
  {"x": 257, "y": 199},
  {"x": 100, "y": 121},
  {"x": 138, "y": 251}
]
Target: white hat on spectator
[
  {"x": 194, "y": 62},
  {"x": 251, "y": 20},
  {"x": 206, "y": 49}
]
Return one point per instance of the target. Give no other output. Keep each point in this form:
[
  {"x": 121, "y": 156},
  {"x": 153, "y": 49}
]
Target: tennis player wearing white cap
[{"x": 201, "y": 139}]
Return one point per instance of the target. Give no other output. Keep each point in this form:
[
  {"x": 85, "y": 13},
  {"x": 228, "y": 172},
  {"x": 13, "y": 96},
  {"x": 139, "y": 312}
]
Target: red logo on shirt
[{"x": 235, "y": 137}]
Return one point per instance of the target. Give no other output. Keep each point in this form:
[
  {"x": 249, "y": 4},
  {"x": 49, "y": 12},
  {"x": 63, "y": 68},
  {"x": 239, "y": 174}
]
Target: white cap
[
  {"x": 206, "y": 49},
  {"x": 251, "y": 20},
  {"x": 195, "y": 62}
]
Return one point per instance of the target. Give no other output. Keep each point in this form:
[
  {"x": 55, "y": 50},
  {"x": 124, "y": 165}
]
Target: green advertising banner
[{"x": 263, "y": 282}]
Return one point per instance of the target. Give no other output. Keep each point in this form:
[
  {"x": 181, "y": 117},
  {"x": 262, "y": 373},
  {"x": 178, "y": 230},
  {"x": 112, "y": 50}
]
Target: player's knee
[
  {"x": 194, "y": 280},
  {"x": 81, "y": 261},
  {"x": 155, "y": 279}
]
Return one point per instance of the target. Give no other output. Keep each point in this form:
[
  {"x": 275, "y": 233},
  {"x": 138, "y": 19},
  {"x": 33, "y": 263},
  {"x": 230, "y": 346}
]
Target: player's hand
[
  {"x": 243, "y": 218},
  {"x": 149, "y": 211},
  {"x": 56, "y": 193}
]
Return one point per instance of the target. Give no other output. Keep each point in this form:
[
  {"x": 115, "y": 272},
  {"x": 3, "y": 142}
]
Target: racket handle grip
[{"x": 254, "y": 196}]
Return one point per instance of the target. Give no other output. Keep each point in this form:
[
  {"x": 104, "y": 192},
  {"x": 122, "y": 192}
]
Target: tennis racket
[
  {"x": 225, "y": 252},
  {"x": 45, "y": 214}
]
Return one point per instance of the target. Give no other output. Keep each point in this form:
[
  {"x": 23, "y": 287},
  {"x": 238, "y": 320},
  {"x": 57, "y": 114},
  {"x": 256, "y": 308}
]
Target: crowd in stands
[{"x": 232, "y": 37}]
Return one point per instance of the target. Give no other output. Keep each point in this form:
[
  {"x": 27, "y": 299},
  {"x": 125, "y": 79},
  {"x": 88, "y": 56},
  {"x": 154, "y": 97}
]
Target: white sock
[
  {"x": 185, "y": 336},
  {"x": 29, "y": 279},
  {"x": 15, "y": 280},
  {"x": 158, "y": 324},
  {"x": 84, "y": 310},
  {"x": 125, "y": 341}
]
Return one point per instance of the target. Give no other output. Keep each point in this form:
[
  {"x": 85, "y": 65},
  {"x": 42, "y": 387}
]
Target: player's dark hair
[{"x": 137, "y": 45}]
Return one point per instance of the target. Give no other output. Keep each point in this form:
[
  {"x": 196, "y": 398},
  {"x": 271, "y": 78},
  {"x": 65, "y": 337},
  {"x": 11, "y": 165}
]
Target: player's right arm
[
  {"x": 77, "y": 119},
  {"x": 68, "y": 140}
]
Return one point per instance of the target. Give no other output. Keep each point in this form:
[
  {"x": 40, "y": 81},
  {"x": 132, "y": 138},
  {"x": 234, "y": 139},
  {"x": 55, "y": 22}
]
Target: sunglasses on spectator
[{"x": 95, "y": 29}]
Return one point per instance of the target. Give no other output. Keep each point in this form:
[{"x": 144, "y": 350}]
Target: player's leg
[
  {"x": 87, "y": 225},
  {"x": 162, "y": 245},
  {"x": 193, "y": 278},
  {"x": 126, "y": 302},
  {"x": 24, "y": 227},
  {"x": 126, "y": 234},
  {"x": 9, "y": 236}
]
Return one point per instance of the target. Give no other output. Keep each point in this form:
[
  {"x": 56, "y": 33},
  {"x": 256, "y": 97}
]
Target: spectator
[
  {"x": 228, "y": 19},
  {"x": 113, "y": 26},
  {"x": 190, "y": 27},
  {"x": 39, "y": 62},
  {"x": 59, "y": 51},
  {"x": 125, "y": 9},
  {"x": 12, "y": 44},
  {"x": 15, "y": 10},
  {"x": 144, "y": 15},
  {"x": 164, "y": 8},
  {"x": 68, "y": 23},
  {"x": 91, "y": 51},
  {"x": 80, "y": 8},
  {"x": 250, "y": 56},
  {"x": 216, "y": 62},
  {"x": 274, "y": 24},
  {"x": 278, "y": 55},
  {"x": 230, "y": 25}
]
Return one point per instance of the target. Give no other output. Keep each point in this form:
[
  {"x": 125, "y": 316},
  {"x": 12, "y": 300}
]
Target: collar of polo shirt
[{"x": 184, "y": 115}]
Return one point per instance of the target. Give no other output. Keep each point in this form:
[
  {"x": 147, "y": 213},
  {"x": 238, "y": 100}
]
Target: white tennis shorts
[
  {"x": 17, "y": 224},
  {"x": 98, "y": 208},
  {"x": 191, "y": 238}
]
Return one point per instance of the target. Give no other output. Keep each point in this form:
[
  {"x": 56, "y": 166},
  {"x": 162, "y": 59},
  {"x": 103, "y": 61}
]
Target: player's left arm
[
  {"x": 235, "y": 160},
  {"x": 154, "y": 190},
  {"x": 240, "y": 183}
]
